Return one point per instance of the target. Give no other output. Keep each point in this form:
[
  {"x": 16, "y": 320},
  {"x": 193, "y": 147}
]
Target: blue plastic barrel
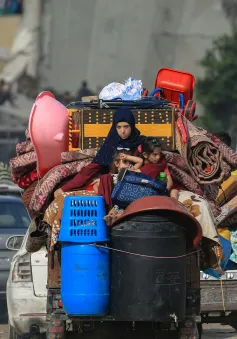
[
  {"x": 83, "y": 220},
  {"x": 85, "y": 279}
]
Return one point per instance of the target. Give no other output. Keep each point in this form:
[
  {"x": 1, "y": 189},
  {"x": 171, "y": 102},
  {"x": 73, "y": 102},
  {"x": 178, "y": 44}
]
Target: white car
[{"x": 27, "y": 292}]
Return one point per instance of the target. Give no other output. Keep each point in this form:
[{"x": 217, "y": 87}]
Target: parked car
[
  {"x": 27, "y": 293},
  {"x": 14, "y": 220},
  {"x": 12, "y": 190}
]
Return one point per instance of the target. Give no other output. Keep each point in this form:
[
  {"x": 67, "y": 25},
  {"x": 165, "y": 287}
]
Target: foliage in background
[
  {"x": 217, "y": 90},
  {"x": 230, "y": 9}
]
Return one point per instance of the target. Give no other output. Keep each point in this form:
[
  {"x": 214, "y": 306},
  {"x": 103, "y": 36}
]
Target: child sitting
[
  {"x": 154, "y": 163},
  {"x": 121, "y": 159},
  {"x": 124, "y": 159}
]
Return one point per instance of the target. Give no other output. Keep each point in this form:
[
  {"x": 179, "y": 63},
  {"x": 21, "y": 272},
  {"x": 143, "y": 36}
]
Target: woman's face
[{"x": 124, "y": 130}]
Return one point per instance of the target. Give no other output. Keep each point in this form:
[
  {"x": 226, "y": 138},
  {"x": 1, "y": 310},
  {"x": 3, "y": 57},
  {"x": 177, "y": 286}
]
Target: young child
[
  {"x": 124, "y": 159},
  {"x": 154, "y": 163},
  {"x": 121, "y": 159}
]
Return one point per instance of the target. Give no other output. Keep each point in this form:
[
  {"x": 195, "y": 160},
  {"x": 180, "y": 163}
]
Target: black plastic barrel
[{"x": 143, "y": 288}]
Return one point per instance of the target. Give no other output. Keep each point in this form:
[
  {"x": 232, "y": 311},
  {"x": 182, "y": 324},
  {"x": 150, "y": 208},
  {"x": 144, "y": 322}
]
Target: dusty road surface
[
  {"x": 3, "y": 332},
  {"x": 210, "y": 332},
  {"x": 217, "y": 331}
]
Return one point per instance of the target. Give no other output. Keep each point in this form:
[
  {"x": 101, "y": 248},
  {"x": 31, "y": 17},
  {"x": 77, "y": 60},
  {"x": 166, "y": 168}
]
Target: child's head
[
  {"x": 117, "y": 163},
  {"x": 151, "y": 150}
]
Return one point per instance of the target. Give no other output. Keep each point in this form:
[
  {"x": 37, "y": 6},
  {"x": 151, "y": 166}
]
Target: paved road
[
  {"x": 214, "y": 331},
  {"x": 217, "y": 331},
  {"x": 210, "y": 332}
]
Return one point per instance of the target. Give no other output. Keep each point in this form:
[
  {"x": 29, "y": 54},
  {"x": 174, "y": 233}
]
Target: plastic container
[
  {"x": 143, "y": 288},
  {"x": 83, "y": 220},
  {"x": 162, "y": 177},
  {"x": 172, "y": 83},
  {"x": 85, "y": 279}
]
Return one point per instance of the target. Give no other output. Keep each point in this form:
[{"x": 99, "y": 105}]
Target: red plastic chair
[
  {"x": 173, "y": 83},
  {"x": 177, "y": 87}
]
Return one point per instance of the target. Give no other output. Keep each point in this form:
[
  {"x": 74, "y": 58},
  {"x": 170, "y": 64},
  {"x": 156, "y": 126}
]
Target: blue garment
[
  {"x": 105, "y": 154},
  {"x": 231, "y": 265},
  {"x": 226, "y": 248},
  {"x": 233, "y": 239}
]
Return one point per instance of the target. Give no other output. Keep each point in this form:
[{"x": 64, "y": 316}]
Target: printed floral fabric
[
  {"x": 201, "y": 210},
  {"x": 53, "y": 213}
]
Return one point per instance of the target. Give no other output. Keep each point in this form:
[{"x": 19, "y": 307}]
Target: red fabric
[
  {"x": 82, "y": 179},
  {"x": 105, "y": 189},
  {"x": 167, "y": 172},
  {"x": 181, "y": 128},
  {"x": 153, "y": 170},
  {"x": 139, "y": 149},
  {"x": 25, "y": 181},
  {"x": 178, "y": 187},
  {"x": 90, "y": 188}
]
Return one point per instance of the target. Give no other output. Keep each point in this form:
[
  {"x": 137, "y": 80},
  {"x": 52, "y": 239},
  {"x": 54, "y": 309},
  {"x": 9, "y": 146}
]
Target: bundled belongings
[
  {"x": 198, "y": 170},
  {"x": 39, "y": 190},
  {"x": 39, "y": 200},
  {"x": 38, "y": 235},
  {"x": 226, "y": 248},
  {"x": 184, "y": 180},
  {"x": 227, "y": 191},
  {"x": 132, "y": 186},
  {"x": 205, "y": 159},
  {"x": 228, "y": 215},
  {"x": 54, "y": 177},
  {"x": 23, "y": 166}
]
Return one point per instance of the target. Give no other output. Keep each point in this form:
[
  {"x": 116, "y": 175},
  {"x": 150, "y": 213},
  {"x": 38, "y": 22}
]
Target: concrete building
[{"x": 107, "y": 40}]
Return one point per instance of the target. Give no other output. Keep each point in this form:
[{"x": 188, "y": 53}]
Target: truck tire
[
  {"x": 199, "y": 328},
  {"x": 233, "y": 320}
]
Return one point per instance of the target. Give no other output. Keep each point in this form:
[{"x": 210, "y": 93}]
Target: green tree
[{"x": 217, "y": 90}]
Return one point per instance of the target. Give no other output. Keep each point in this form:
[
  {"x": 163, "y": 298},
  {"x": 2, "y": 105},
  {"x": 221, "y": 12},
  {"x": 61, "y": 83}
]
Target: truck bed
[{"x": 219, "y": 295}]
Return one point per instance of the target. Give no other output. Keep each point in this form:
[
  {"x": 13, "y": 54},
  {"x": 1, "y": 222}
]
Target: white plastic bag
[
  {"x": 112, "y": 91},
  {"x": 131, "y": 90}
]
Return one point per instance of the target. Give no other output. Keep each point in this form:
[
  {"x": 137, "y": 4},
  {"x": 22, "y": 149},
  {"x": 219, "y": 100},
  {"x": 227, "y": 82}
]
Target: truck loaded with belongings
[{"x": 143, "y": 273}]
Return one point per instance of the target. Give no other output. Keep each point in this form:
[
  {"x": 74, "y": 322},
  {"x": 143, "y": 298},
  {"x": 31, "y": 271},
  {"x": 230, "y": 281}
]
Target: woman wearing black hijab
[{"x": 122, "y": 135}]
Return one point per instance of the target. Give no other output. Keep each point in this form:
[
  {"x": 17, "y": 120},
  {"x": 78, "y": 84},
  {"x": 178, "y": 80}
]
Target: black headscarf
[{"x": 105, "y": 154}]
